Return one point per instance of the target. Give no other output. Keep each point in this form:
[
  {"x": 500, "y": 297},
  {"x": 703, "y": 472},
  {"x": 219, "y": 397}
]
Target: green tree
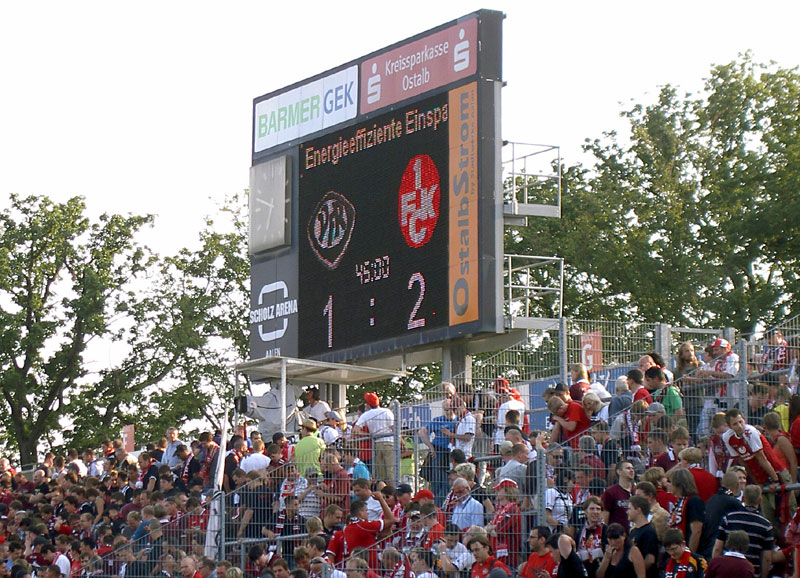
[
  {"x": 60, "y": 279},
  {"x": 177, "y": 324},
  {"x": 693, "y": 218},
  {"x": 184, "y": 330}
]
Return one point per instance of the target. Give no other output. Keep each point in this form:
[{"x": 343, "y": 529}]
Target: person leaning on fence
[
  {"x": 570, "y": 420},
  {"x": 763, "y": 465}
]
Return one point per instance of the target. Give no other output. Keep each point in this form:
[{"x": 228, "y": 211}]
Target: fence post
[
  {"x": 562, "y": 349},
  {"x": 541, "y": 487},
  {"x": 222, "y": 500},
  {"x": 397, "y": 433},
  {"x": 663, "y": 344},
  {"x": 740, "y": 383}
]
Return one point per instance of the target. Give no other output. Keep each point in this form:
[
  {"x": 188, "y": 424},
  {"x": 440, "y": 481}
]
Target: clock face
[{"x": 270, "y": 203}]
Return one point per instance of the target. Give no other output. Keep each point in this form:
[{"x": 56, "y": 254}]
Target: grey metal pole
[
  {"x": 283, "y": 395},
  {"x": 741, "y": 381},
  {"x": 397, "y": 428},
  {"x": 562, "y": 349},
  {"x": 541, "y": 487}
]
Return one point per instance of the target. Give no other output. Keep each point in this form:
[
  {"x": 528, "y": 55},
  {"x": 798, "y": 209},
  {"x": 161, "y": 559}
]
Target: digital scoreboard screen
[
  {"x": 374, "y": 229},
  {"x": 391, "y": 201}
]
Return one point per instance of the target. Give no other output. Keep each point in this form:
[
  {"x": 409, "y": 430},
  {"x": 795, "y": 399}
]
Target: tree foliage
[
  {"x": 176, "y": 321},
  {"x": 693, "y": 218}
]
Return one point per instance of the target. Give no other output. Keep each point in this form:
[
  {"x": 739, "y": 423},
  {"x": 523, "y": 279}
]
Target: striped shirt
[{"x": 758, "y": 529}]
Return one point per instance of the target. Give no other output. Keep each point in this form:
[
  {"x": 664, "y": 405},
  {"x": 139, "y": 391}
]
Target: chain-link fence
[{"x": 489, "y": 463}]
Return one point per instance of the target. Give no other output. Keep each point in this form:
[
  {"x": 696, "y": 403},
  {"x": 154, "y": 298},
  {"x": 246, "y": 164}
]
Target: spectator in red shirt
[
  {"x": 363, "y": 533},
  {"x": 484, "y": 561},
  {"x": 189, "y": 568},
  {"x": 706, "y": 482},
  {"x": 336, "y": 488},
  {"x": 636, "y": 385},
  {"x": 616, "y": 498},
  {"x": 580, "y": 381},
  {"x": 658, "y": 477},
  {"x": 540, "y": 563},
  {"x": 570, "y": 420},
  {"x": 678, "y": 441}
]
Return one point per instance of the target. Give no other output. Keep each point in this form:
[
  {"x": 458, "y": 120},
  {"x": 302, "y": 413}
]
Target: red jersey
[
  {"x": 746, "y": 448},
  {"x": 536, "y": 563},
  {"x": 481, "y": 570},
  {"x": 578, "y": 389},
  {"x": 642, "y": 393},
  {"x": 507, "y": 522},
  {"x": 706, "y": 482},
  {"x": 339, "y": 485},
  {"x": 718, "y": 459},
  {"x": 665, "y": 499},
  {"x": 794, "y": 435},
  {"x": 576, "y": 413},
  {"x": 666, "y": 460},
  {"x": 363, "y": 534}
]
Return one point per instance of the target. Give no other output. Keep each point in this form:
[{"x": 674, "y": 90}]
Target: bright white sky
[{"x": 146, "y": 107}]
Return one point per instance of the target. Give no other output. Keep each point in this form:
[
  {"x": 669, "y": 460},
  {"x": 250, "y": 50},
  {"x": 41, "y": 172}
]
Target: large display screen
[
  {"x": 393, "y": 237},
  {"x": 374, "y": 233}
]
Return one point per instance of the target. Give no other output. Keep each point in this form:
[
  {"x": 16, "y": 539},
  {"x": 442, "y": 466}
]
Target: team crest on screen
[
  {"x": 418, "y": 201},
  {"x": 331, "y": 228}
]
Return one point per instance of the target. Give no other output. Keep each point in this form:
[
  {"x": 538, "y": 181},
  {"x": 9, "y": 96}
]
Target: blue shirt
[
  {"x": 439, "y": 440},
  {"x": 360, "y": 471},
  {"x": 468, "y": 513}
]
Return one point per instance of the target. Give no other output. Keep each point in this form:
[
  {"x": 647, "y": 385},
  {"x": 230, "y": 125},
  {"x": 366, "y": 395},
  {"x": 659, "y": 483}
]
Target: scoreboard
[{"x": 375, "y": 215}]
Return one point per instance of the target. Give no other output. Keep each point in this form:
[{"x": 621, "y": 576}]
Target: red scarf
[
  {"x": 185, "y": 474},
  {"x": 677, "y": 519},
  {"x": 144, "y": 470},
  {"x": 683, "y": 566},
  {"x": 633, "y": 428},
  {"x": 590, "y": 539},
  {"x": 211, "y": 453}
]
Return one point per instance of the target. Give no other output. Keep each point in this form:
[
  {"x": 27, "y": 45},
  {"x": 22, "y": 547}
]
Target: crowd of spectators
[{"x": 662, "y": 477}]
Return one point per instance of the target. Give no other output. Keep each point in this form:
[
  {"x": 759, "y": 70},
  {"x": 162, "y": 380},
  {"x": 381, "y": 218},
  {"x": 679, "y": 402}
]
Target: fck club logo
[
  {"x": 418, "y": 201},
  {"x": 331, "y": 228}
]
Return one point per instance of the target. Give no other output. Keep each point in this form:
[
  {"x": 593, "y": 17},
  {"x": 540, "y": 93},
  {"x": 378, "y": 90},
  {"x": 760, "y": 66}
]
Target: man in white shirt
[
  {"x": 329, "y": 429},
  {"x": 377, "y": 423},
  {"x": 316, "y": 408},
  {"x": 255, "y": 460},
  {"x": 464, "y": 434}
]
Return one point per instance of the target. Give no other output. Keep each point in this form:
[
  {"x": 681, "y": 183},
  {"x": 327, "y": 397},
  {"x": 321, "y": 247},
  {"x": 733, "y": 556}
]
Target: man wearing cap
[
  {"x": 507, "y": 403},
  {"x": 379, "y": 422},
  {"x": 724, "y": 365},
  {"x": 309, "y": 449},
  {"x": 328, "y": 429}
]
